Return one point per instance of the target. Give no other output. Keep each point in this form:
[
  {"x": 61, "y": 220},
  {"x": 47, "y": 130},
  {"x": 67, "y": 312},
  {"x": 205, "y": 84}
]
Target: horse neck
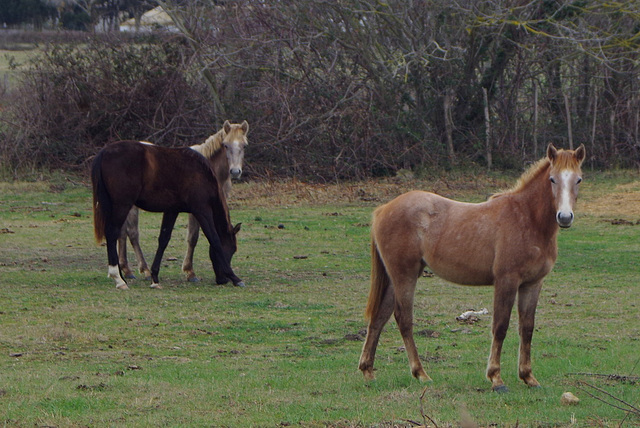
[
  {"x": 538, "y": 196},
  {"x": 220, "y": 166},
  {"x": 215, "y": 152},
  {"x": 222, "y": 220},
  {"x": 211, "y": 146}
]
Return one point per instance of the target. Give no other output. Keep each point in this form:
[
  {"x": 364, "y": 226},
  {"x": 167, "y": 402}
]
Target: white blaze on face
[
  {"x": 235, "y": 156},
  {"x": 565, "y": 208}
]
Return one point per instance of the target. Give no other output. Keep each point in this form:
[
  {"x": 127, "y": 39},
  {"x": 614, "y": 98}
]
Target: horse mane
[
  {"x": 211, "y": 146},
  {"x": 532, "y": 172}
]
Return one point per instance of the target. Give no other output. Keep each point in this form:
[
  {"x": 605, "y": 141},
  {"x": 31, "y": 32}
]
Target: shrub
[{"x": 76, "y": 97}]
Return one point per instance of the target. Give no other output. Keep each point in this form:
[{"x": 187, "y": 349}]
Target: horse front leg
[
  {"x": 168, "y": 221},
  {"x": 130, "y": 230},
  {"x": 527, "y": 302},
  {"x": 122, "y": 254},
  {"x": 193, "y": 231},
  {"x": 221, "y": 266},
  {"x": 504, "y": 295}
]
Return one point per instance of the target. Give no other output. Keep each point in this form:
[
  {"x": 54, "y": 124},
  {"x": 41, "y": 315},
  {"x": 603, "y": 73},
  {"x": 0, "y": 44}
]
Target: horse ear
[
  {"x": 552, "y": 152},
  {"x": 226, "y": 126},
  {"x": 580, "y": 153},
  {"x": 245, "y": 127},
  {"x": 236, "y": 228}
]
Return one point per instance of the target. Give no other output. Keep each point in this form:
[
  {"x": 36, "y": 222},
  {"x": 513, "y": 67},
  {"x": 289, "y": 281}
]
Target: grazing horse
[
  {"x": 225, "y": 151},
  {"x": 166, "y": 180},
  {"x": 509, "y": 241}
]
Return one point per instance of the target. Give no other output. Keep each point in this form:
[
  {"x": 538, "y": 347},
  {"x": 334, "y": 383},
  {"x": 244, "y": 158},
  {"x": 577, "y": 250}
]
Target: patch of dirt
[
  {"x": 373, "y": 192},
  {"x": 624, "y": 202}
]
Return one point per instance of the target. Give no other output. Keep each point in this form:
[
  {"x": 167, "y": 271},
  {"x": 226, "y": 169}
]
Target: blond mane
[
  {"x": 563, "y": 160},
  {"x": 534, "y": 171},
  {"x": 215, "y": 142},
  {"x": 211, "y": 145}
]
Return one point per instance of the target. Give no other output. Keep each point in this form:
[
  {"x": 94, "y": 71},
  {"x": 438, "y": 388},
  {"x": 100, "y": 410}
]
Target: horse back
[{"x": 158, "y": 178}]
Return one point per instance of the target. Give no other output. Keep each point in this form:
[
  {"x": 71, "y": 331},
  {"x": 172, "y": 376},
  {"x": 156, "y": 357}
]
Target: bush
[{"x": 75, "y": 98}]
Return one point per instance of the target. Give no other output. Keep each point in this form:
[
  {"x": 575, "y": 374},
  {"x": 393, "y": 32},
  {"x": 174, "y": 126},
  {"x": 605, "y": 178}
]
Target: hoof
[
  {"x": 424, "y": 378},
  {"x": 500, "y": 389},
  {"x": 240, "y": 284},
  {"x": 130, "y": 276},
  {"x": 156, "y": 286},
  {"x": 193, "y": 279},
  {"x": 122, "y": 287},
  {"x": 368, "y": 375}
]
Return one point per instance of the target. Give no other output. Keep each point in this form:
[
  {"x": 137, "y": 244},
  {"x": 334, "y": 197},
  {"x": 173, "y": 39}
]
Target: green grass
[{"x": 284, "y": 351}]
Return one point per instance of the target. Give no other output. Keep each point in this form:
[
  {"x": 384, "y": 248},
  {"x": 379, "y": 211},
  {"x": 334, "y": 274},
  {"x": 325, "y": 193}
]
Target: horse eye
[
  {"x": 579, "y": 180},
  {"x": 553, "y": 180}
]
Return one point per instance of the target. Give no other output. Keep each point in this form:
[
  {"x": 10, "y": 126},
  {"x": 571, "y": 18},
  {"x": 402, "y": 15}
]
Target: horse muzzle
[
  {"x": 235, "y": 173},
  {"x": 565, "y": 220}
]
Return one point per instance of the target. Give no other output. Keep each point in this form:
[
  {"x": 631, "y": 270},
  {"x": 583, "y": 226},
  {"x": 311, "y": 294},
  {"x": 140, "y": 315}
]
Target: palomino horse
[
  {"x": 225, "y": 151},
  {"x": 159, "y": 179},
  {"x": 508, "y": 241}
]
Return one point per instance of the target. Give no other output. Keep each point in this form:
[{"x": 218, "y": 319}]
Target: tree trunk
[
  {"x": 535, "y": 120},
  {"x": 448, "y": 123},
  {"x": 567, "y": 110},
  {"x": 487, "y": 128}
]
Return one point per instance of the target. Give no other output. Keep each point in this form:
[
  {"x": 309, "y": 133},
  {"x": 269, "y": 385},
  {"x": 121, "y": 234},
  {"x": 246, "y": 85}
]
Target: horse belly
[
  {"x": 463, "y": 253},
  {"x": 462, "y": 272}
]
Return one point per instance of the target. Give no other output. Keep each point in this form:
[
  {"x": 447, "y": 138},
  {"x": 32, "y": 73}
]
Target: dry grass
[{"x": 623, "y": 201}]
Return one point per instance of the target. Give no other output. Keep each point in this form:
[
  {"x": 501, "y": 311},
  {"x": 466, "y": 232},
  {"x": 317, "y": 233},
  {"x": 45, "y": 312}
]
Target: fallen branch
[
  {"x": 630, "y": 410},
  {"x": 425, "y": 417},
  {"x": 620, "y": 378}
]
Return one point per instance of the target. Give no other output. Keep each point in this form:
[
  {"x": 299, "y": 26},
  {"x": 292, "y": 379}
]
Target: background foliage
[{"x": 347, "y": 89}]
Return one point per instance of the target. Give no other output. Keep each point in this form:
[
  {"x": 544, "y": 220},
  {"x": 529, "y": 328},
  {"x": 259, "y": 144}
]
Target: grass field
[{"x": 283, "y": 351}]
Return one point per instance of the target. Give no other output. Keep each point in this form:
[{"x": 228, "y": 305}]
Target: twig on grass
[
  {"x": 630, "y": 410},
  {"x": 620, "y": 378},
  {"x": 424, "y": 416}
]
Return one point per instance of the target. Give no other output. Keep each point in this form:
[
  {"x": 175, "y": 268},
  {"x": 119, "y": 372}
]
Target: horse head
[
  {"x": 565, "y": 176},
  {"x": 234, "y": 141}
]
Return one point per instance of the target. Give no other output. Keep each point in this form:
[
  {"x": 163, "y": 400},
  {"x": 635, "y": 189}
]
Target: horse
[
  {"x": 167, "y": 180},
  {"x": 508, "y": 241},
  {"x": 225, "y": 151}
]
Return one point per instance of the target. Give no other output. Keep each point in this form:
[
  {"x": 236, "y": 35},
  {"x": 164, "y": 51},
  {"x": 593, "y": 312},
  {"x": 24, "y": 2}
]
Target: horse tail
[
  {"x": 379, "y": 281},
  {"x": 101, "y": 200}
]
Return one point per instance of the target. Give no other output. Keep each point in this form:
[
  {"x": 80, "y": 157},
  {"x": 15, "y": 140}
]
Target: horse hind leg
[
  {"x": 113, "y": 230},
  {"x": 168, "y": 221},
  {"x": 193, "y": 231},
  {"x": 376, "y": 323},
  {"x": 403, "y": 312}
]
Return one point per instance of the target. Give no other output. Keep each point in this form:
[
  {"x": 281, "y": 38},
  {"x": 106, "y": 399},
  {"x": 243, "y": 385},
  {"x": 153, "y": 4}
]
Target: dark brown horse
[
  {"x": 508, "y": 242},
  {"x": 159, "y": 179},
  {"x": 225, "y": 152}
]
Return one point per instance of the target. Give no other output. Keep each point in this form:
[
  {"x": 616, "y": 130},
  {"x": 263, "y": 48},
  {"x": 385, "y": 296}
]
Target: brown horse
[
  {"x": 225, "y": 151},
  {"x": 508, "y": 242},
  {"x": 159, "y": 179}
]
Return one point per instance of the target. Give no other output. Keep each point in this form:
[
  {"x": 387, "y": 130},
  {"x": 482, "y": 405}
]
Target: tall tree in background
[{"x": 355, "y": 88}]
